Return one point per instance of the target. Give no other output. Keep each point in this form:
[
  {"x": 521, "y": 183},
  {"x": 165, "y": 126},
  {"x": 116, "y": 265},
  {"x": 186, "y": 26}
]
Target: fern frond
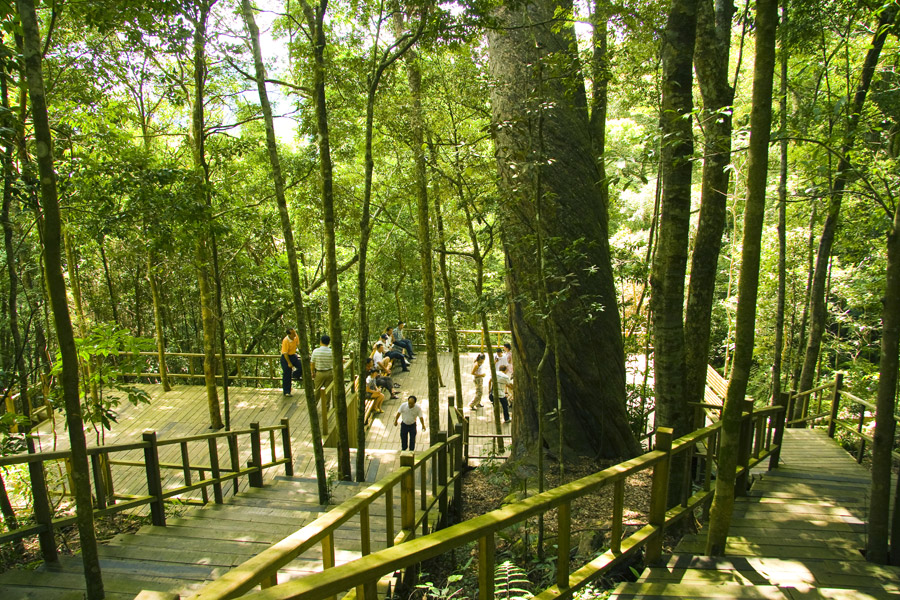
[{"x": 510, "y": 582}]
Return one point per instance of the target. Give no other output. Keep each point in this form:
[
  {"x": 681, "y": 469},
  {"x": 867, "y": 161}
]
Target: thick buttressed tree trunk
[
  {"x": 575, "y": 227},
  {"x": 745, "y": 320},
  {"x": 202, "y": 256},
  {"x": 670, "y": 262},
  {"x": 315, "y": 16},
  {"x": 817, "y": 312},
  {"x": 56, "y": 289},
  {"x": 288, "y": 231},
  {"x": 711, "y": 63}
]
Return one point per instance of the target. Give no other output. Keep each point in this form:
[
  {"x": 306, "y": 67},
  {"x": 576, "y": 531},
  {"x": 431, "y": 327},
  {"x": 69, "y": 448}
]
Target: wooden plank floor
[
  {"x": 798, "y": 534},
  {"x": 183, "y": 412}
]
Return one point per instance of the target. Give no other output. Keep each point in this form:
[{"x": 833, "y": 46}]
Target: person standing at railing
[
  {"x": 321, "y": 363},
  {"x": 402, "y": 342},
  {"x": 408, "y": 413},
  {"x": 289, "y": 359}
]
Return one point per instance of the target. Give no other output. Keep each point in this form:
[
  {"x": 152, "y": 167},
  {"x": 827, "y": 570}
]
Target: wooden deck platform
[
  {"x": 798, "y": 534},
  {"x": 184, "y": 412}
]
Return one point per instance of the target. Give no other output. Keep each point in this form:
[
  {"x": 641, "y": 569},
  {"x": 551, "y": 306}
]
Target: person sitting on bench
[
  {"x": 393, "y": 353},
  {"x": 372, "y": 391},
  {"x": 401, "y": 341},
  {"x": 385, "y": 383}
]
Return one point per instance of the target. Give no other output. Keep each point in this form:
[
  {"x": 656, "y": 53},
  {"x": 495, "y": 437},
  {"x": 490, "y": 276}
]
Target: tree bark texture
[
  {"x": 575, "y": 230},
  {"x": 417, "y": 141},
  {"x": 711, "y": 63},
  {"x": 880, "y": 499},
  {"x": 745, "y": 320},
  {"x": 288, "y": 232},
  {"x": 818, "y": 310},
  {"x": 56, "y": 288},
  {"x": 670, "y": 262},
  {"x": 202, "y": 259},
  {"x": 158, "y": 323},
  {"x": 315, "y": 16},
  {"x": 782, "y": 219}
]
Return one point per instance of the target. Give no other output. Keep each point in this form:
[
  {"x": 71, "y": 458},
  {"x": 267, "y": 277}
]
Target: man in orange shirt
[{"x": 289, "y": 359}]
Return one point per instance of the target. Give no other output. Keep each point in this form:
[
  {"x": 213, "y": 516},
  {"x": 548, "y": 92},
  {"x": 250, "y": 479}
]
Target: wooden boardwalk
[
  {"x": 798, "y": 534},
  {"x": 184, "y": 412}
]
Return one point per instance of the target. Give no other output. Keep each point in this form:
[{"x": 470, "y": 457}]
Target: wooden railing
[
  {"x": 759, "y": 435},
  {"x": 158, "y": 488},
  {"x": 429, "y": 484},
  {"x": 829, "y": 412},
  {"x": 469, "y": 339},
  {"x": 242, "y": 368}
]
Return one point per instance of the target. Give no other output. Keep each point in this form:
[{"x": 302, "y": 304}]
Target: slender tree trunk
[
  {"x": 57, "y": 290},
  {"x": 818, "y": 309},
  {"x": 287, "y": 229},
  {"x": 782, "y": 218},
  {"x": 113, "y": 300},
  {"x": 880, "y": 499},
  {"x": 414, "y": 76},
  {"x": 315, "y": 18},
  {"x": 711, "y": 61},
  {"x": 202, "y": 247},
  {"x": 158, "y": 322},
  {"x": 754, "y": 211},
  {"x": 449, "y": 312}
]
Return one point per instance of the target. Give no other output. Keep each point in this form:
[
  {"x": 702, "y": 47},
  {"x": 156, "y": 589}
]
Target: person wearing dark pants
[
  {"x": 289, "y": 359},
  {"x": 503, "y": 380},
  {"x": 409, "y": 412},
  {"x": 402, "y": 342}
]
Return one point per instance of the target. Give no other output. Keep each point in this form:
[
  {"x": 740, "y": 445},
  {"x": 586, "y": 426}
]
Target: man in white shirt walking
[
  {"x": 408, "y": 413},
  {"x": 321, "y": 362}
]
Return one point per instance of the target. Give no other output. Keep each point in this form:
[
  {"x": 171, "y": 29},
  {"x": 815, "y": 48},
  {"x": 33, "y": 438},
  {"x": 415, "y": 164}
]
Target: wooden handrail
[
  {"x": 263, "y": 568},
  {"x": 364, "y": 572},
  {"x": 156, "y": 494}
]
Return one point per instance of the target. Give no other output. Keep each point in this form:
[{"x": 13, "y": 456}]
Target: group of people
[
  {"x": 504, "y": 366},
  {"x": 392, "y": 346}
]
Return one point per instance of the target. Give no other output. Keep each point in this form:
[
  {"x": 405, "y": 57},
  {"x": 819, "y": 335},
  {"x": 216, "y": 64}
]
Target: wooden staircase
[
  {"x": 200, "y": 545},
  {"x": 799, "y": 533}
]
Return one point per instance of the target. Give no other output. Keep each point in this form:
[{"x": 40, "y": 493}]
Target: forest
[{"x": 634, "y": 189}]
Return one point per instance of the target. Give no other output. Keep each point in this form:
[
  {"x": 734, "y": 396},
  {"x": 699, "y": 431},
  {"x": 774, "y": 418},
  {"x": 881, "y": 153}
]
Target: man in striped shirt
[{"x": 321, "y": 362}]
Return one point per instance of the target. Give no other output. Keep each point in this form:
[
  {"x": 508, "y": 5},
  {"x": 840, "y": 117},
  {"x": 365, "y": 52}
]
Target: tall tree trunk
[
  {"x": 57, "y": 290},
  {"x": 880, "y": 499},
  {"x": 287, "y": 229},
  {"x": 158, "y": 322},
  {"x": 593, "y": 384},
  {"x": 818, "y": 309},
  {"x": 315, "y": 18},
  {"x": 113, "y": 300},
  {"x": 745, "y": 320},
  {"x": 782, "y": 217},
  {"x": 600, "y": 72},
  {"x": 449, "y": 312},
  {"x": 711, "y": 62},
  {"x": 202, "y": 250},
  {"x": 670, "y": 262},
  {"x": 417, "y": 141}
]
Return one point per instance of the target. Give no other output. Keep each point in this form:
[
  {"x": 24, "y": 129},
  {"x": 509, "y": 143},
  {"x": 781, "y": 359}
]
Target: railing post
[
  {"x": 486, "y": 567},
  {"x": 659, "y": 493},
  {"x": 615, "y": 534},
  {"x": 457, "y": 470},
  {"x": 563, "y": 544},
  {"x": 408, "y": 495},
  {"x": 154, "y": 482},
  {"x": 255, "y": 478},
  {"x": 745, "y": 448},
  {"x": 42, "y": 513},
  {"x": 235, "y": 460},
  {"x": 783, "y": 400},
  {"x": 443, "y": 490},
  {"x": 214, "y": 472},
  {"x": 835, "y": 404},
  {"x": 286, "y": 445}
]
